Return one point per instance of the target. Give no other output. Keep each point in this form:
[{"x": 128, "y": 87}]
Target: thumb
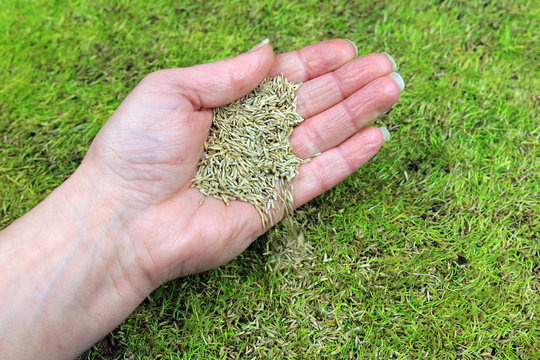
[{"x": 223, "y": 81}]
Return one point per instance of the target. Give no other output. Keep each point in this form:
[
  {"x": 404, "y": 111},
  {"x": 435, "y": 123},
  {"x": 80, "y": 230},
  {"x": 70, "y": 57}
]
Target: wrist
[
  {"x": 69, "y": 272},
  {"x": 108, "y": 221}
]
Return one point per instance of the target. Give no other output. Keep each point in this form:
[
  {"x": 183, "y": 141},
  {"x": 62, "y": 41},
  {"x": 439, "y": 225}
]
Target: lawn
[{"x": 431, "y": 250}]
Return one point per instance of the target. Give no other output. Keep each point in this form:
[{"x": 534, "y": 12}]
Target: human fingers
[
  {"x": 333, "y": 126},
  {"x": 313, "y": 60},
  {"x": 325, "y": 91},
  {"x": 330, "y": 168},
  {"x": 220, "y": 82}
]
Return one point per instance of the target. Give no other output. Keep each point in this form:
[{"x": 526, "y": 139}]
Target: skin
[{"x": 127, "y": 220}]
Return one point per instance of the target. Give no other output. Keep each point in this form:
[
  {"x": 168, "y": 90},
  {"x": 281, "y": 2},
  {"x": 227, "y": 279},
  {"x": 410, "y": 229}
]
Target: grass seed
[{"x": 247, "y": 155}]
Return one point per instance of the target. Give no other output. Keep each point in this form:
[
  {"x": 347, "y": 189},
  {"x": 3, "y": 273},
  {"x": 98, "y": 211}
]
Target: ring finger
[{"x": 335, "y": 125}]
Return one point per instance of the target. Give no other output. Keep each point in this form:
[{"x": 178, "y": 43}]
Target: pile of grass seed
[{"x": 248, "y": 155}]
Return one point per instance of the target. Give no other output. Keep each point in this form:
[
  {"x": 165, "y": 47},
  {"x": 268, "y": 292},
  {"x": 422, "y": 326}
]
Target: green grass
[{"x": 431, "y": 250}]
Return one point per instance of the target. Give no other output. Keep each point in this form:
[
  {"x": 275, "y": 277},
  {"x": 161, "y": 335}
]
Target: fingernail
[
  {"x": 394, "y": 65},
  {"x": 355, "y": 47},
  {"x": 398, "y": 79},
  {"x": 385, "y": 134},
  {"x": 262, "y": 43}
]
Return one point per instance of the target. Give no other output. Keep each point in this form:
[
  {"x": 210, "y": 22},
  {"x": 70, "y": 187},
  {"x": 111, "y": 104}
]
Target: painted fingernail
[
  {"x": 262, "y": 43},
  {"x": 394, "y": 65},
  {"x": 355, "y": 47},
  {"x": 385, "y": 133},
  {"x": 398, "y": 79}
]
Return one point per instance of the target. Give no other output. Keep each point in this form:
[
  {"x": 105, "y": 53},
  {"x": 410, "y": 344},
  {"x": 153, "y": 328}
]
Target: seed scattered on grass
[{"x": 248, "y": 155}]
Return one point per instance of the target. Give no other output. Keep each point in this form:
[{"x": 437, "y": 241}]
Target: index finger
[{"x": 314, "y": 60}]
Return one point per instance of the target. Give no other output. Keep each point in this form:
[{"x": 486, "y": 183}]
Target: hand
[
  {"x": 78, "y": 263},
  {"x": 143, "y": 159}
]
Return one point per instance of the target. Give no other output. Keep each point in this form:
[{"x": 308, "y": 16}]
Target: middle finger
[
  {"x": 335, "y": 125},
  {"x": 325, "y": 91}
]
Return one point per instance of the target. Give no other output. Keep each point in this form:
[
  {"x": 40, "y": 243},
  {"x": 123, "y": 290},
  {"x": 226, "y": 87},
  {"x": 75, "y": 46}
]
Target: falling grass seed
[{"x": 247, "y": 155}]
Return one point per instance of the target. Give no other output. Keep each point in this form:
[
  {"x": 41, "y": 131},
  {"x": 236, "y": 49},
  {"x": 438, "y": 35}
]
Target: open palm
[{"x": 147, "y": 153}]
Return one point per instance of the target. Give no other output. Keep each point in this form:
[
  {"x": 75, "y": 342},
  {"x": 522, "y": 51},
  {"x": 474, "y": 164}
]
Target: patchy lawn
[{"x": 430, "y": 250}]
